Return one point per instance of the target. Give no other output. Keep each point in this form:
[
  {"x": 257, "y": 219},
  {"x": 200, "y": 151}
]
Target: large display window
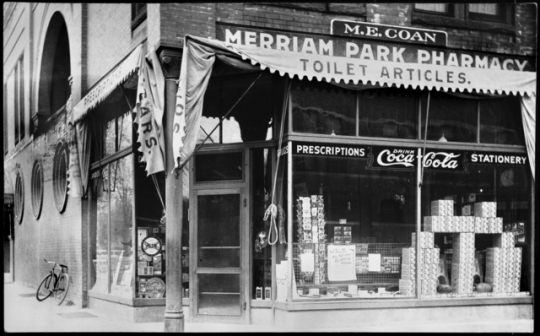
[{"x": 351, "y": 222}]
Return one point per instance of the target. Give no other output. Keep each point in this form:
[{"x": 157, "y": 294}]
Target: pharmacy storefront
[{"x": 371, "y": 173}]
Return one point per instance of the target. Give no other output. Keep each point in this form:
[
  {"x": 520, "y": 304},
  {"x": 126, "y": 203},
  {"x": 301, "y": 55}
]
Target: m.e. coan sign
[{"x": 388, "y": 33}]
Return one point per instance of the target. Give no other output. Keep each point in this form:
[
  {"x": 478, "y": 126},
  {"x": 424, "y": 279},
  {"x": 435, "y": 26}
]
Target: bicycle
[{"x": 54, "y": 283}]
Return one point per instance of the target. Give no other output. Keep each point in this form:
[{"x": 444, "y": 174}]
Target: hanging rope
[
  {"x": 425, "y": 140},
  {"x": 156, "y": 184},
  {"x": 272, "y": 210}
]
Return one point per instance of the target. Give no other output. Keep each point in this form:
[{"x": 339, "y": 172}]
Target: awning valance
[
  {"x": 199, "y": 56},
  {"x": 105, "y": 86}
]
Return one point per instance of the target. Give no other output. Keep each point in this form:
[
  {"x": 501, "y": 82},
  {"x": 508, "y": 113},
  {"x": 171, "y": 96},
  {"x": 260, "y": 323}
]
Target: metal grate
[{"x": 390, "y": 264}]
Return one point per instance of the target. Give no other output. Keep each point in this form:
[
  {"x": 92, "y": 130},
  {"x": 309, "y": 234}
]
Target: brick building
[{"x": 82, "y": 196}]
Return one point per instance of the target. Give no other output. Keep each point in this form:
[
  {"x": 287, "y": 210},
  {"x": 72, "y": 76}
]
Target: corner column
[{"x": 174, "y": 316}]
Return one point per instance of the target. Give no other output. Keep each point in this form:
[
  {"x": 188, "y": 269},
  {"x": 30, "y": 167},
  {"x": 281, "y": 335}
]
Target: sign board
[
  {"x": 392, "y": 158},
  {"x": 151, "y": 246},
  {"x": 336, "y": 150},
  {"x": 388, "y": 33},
  {"x": 341, "y": 262}
]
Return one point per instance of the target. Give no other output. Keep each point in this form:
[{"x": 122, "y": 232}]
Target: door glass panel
[
  {"x": 219, "y": 219},
  {"x": 218, "y": 167},
  {"x": 219, "y": 294},
  {"x": 219, "y": 257},
  {"x": 219, "y": 304}
]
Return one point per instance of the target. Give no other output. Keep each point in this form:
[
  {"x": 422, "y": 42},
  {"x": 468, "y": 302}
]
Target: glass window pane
[
  {"x": 323, "y": 109},
  {"x": 500, "y": 121},
  {"x": 109, "y": 137},
  {"x": 389, "y": 114},
  {"x": 218, "y": 167},
  {"x": 219, "y": 304},
  {"x": 219, "y": 257},
  {"x": 261, "y": 172},
  {"x": 432, "y": 7},
  {"x": 219, "y": 283},
  {"x": 504, "y": 191},
  {"x": 219, "y": 294},
  {"x": 486, "y": 8},
  {"x": 121, "y": 226},
  {"x": 218, "y": 220},
  {"x": 125, "y": 130},
  {"x": 339, "y": 202},
  {"x": 450, "y": 118},
  {"x": 101, "y": 259}
]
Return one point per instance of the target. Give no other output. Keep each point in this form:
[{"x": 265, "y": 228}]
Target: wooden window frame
[{"x": 138, "y": 14}]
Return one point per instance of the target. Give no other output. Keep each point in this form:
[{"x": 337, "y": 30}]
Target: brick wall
[
  {"x": 109, "y": 38},
  {"x": 52, "y": 236}
]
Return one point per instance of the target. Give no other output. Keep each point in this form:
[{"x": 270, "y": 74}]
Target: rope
[
  {"x": 425, "y": 140},
  {"x": 158, "y": 190},
  {"x": 272, "y": 210}
]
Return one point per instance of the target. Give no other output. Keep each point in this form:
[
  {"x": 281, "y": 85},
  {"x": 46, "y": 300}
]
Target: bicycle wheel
[
  {"x": 61, "y": 289},
  {"x": 45, "y": 288}
]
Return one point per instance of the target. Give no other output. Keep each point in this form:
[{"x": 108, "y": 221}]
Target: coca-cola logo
[
  {"x": 396, "y": 157},
  {"x": 441, "y": 160}
]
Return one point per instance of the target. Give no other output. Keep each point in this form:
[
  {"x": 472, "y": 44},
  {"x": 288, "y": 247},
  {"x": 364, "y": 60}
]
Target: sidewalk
[{"x": 23, "y": 313}]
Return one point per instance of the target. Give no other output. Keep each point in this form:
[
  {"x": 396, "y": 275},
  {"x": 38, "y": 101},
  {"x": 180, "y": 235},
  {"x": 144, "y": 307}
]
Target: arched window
[
  {"x": 60, "y": 170},
  {"x": 54, "y": 88},
  {"x": 37, "y": 189},
  {"x": 19, "y": 198}
]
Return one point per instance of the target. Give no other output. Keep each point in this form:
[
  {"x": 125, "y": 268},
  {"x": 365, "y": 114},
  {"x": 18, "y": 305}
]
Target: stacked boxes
[
  {"x": 442, "y": 218},
  {"x": 463, "y": 268},
  {"x": 485, "y": 209},
  {"x": 310, "y": 215},
  {"x": 408, "y": 272},
  {"x": 442, "y": 208},
  {"x": 486, "y": 220},
  {"x": 503, "y": 265},
  {"x": 426, "y": 239},
  {"x": 429, "y": 270}
]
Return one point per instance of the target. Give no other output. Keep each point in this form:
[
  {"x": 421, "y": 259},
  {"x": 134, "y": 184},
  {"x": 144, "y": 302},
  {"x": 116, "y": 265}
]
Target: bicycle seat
[{"x": 63, "y": 266}]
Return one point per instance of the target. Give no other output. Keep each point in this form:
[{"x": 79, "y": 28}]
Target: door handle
[
  {"x": 245, "y": 202},
  {"x": 244, "y": 306}
]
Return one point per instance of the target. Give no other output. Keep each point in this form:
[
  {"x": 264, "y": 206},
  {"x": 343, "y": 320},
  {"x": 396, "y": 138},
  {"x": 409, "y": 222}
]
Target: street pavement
[{"x": 23, "y": 313}]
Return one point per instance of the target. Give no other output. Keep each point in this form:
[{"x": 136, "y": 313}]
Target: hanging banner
[
  {"x": 380, "y": 63},
  {"x": 149, "y": 109}
]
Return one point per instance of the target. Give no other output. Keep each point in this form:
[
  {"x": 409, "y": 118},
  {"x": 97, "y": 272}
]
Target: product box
[
  {"x": 408, "y": 255},
  {"x": 408, "y": 272},
  {"x": 485, "y": 209},
  {"x": 466, "y": 210},
  {"x": 426, "y": 239},
  {"x": 442, "y": 208}
]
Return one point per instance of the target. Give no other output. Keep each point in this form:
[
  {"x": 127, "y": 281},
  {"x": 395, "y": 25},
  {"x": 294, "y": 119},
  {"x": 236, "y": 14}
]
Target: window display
[
  {"x": 351, "y": 223},
  {"x": 472, "y": 219}
]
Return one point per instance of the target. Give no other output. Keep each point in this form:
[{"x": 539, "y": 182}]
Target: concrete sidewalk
[{"x": 23, "y": 313}]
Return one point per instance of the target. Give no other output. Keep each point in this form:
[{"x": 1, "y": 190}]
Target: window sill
[
  {"x": 313, "y": 304},
  {"x": 134, "y": 302},
  {"x": 440, "y": 20}
]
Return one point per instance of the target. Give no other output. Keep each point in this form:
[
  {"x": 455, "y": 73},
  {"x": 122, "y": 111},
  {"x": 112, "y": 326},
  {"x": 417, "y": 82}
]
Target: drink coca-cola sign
[{"x": 392, "y": 158}]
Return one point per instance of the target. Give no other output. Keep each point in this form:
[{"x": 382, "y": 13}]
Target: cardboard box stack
[
  {"x": 503, "y": 264},
  {"x": 485, "y": 218},
  {"x": 463, "y": 268},
  {"x": 408, "y": 271},
  {"x": 429, "y": 270},
  {"x": 442, "y": 219},
  {"x": 311, "y": 228}
]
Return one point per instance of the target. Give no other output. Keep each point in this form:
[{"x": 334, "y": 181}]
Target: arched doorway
[{"x": 55, "y": 70}]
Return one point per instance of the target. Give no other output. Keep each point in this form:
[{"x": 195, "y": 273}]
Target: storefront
[{"x": 394, "y": 179}]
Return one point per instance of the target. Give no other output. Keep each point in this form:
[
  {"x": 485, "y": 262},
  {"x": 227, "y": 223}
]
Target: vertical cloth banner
[
  {"x": 528, "y": 115},
  {"x": 149, "y": 109},
  {"x": 75, "y": 188}
]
